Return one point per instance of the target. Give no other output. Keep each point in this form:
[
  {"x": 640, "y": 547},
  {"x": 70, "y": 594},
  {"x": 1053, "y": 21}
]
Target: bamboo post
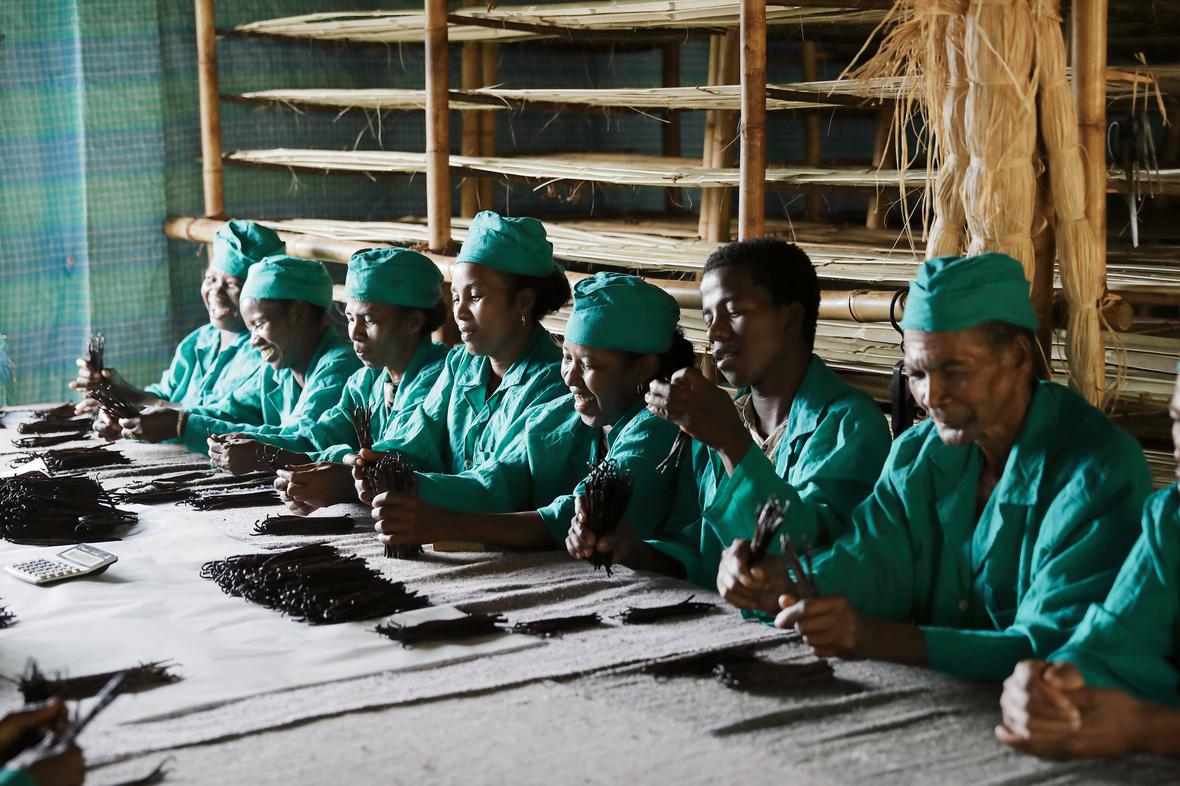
[
  {"x": 1088, "y": 32},
  {"x": 752, "y": 172},
  {"x": 713, "y": 77},
  {"x": 812, "y": 151},
  {"x": 487, "y": 125},
  {"x": 469, "y": 145},
  {"x": 723, "y": 138},
  {"x": 438, "y": 174},
  {"x": 670, "y": 132},
  {"x": 210, "y": 110},
  {"x": 883, "y": 158}
]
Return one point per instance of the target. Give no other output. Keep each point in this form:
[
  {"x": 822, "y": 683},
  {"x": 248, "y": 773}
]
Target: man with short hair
[{"x": 995, "y": 522}]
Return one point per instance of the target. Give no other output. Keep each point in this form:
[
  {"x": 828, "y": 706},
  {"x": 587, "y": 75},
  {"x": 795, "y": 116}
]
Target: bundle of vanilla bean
[
  {"x": 314, "y": 584},
  {"x": 36, "y": 686},
  {"x": 42, "y": 511},
  {"x": 605, "y": 494},
  {"x": 642, "y": 615},
  {"x": 466, "y": 627},
  {"x": 305, "y": 525},
  {"x": 390, "y": 473},
  {"x": 67, "y": 425},
  {"x": 770, "y": 515},
  {"x": 59, "y": 460}
]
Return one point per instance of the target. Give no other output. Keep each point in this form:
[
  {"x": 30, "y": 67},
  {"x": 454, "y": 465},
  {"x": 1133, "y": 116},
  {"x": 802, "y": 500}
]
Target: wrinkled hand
[
  {"x": 154, "y": 424},
  {"x": 404, "y": 519},
  {"x": 702, "y": 410},
  {"x": 755, "y": 588},
  {"x": 581, "y": 542},
  {"x": 308, "y": 487},
  {"x": 107, "y": 427},
  {"x": 234, "y": 453},
  {"x": 357, "y": 461},
  {"x": 52, "y": 765},
  {"x": 831, "y": 626}
]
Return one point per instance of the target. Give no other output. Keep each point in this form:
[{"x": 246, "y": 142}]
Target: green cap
[
  {"x": 239, "y": 244},
  {"x": 397, "y": 276},
  {"x": 514, "y": 245},
  {"x": 953, "y": 293},
  {"x": 621, "y": 312},
  {"x": 289, "y": 278}
]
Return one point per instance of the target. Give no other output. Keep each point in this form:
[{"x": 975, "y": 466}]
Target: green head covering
[
  {"x": 952, "y": 293},
  {"x": 289, "y": 278},
  {"x": 621, "y": 312},
  {"x": 514, "y": 245},
  {"x": 239, "y": 244},
  {"x": 397, "y": 276}
]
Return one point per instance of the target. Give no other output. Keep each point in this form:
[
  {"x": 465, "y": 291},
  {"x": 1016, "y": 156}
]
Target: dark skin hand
[
  {"x": 626, "y": 548},
  {"x": 833, "y": 628},
  {"x": 308, "y": 486},
  {"x": 48, "y": 763},
  {"x": 753, "y": 588},
  {"x": 154, "y": 424},
  {"x": 237, "y": 454},
  {"x": 703, "y": 411},
  {"x": 107, "y": 427}
]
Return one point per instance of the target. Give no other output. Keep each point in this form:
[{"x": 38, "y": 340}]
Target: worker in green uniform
[
  {"x": 284, "y": 304},
  {"x": 503, "y": 283},
  {"x": 1114, "y": 688},
  {"x": 621, "y": 334},
  {"x": 216, "y": 358},
  {"x": 394, "y": 303},
  {"x": 994, "y": 523},
  {"x": 796, "y": 430}
]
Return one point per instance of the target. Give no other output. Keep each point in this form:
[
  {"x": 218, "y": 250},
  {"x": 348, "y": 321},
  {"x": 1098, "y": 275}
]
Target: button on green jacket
[
  {"x": 202, "y": 374},
  {"x": 275, "y": 399},
  {"x": 460, "y": 426},
  {"x": 332, "y": 437},
  {"x": 824, "y": 465},
  {"x": 1130, "y": 640},
  {"x": 991, "y": 589}
]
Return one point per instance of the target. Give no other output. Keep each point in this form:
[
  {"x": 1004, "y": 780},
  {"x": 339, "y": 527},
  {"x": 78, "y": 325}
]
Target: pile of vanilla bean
[
  {"x": 390, "y": 473},
  {"x": 36, "y": 686},
  {"x": 605, "y": 494},
  {"x": 314, "y": 584},
  {"x": 38, "y": 510}
]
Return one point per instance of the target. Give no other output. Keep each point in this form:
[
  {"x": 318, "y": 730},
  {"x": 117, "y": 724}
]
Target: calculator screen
[{"x": 80, "y": 556}]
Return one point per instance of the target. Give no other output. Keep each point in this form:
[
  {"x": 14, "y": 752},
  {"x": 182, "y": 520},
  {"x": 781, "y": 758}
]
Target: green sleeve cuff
[
  {"x": 975, "y": 654},
  {"x": 199, "y": 428},
  {"x": 334, "y": 454},
  {"x": 556, "y": 517},
  {"x": 17, "y": 778}
]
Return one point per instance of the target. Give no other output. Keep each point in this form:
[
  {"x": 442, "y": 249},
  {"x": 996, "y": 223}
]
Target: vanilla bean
[
  {"x": 393, "y": 473},
  {"x": 362, "y": 419},
  {"x": 605, "y": 494},
  {"x": 79, "y": 425},
  {"x": 229, "y": 500},
  {"x": 550, "y": 627},
  {"x": 302, "y": 525},
  {"x": 36, "y": 509},
  {"x": 60, "y": 412},
  {"x": 756, "y": 674},
  {"x": 36, "y": 686},
  {"x": 113, "y": 402},
  {"x": 465, "y": 627},
  {"x": 769, "y": 517},
  {"x": 675, "y": 455},
  {"x": 642, "y": 615},
  {"x": 49, "y": 440},
  {"x": 270, "y": 456},
  {"x": 73, "y": 459},
  {"x": 7, "y": 617},
  {"x": 95, "y": 350},
  {"x": 804, "y": 580}
]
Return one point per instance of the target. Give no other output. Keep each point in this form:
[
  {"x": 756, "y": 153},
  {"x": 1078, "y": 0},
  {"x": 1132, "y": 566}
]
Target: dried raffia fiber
[
  {"x": 1083, "y": 272},
  {"x": 605, "y": 494},
  {"x": 465, "y": 627},
  {"x": 36, "y": 686},
  {"x": 393, "y": 473},
  {"x": 60, "y": 460},
  {"x": 642, "y": 615},
  {"x": 79, "y": 425},
  {"x": 948, "y": 233},
  {"x": 38, "y": 510},
  {"x": 303, "y": 525},
  {"x": 314, "y": 584},
  {"x": 675, "y": 455},
  {"x": 550, "y": 627}
]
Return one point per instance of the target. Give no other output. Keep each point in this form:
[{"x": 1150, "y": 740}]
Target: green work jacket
[
  {"x": 275, "y": 399},
  {"x": 202, "y": 374},
  {"x": 1130, "y": 640},
  {"x": 332, "y": 436},
  {"x": 990, "y": 589},
  {"x": 460, "y": 426},
  {"x": 825, "y": 464}
]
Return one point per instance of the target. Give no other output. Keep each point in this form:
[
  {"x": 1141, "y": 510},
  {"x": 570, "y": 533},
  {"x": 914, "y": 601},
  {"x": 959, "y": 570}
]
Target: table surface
[{"x": 578, "y": 710}]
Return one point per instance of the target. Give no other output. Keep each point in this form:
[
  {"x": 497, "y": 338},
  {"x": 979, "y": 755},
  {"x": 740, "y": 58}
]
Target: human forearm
[
  {"x": 523, "y": 530},
  {"x": 896, "y": 642},
  {"x": 644, "y": 557},
  {"x": 1159, "y": 730}
]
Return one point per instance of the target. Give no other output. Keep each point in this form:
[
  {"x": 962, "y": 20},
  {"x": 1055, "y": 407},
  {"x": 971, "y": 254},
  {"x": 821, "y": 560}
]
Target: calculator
[{"x": 73, "y": 562}]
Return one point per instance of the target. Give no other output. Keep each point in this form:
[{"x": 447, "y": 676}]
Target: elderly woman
[
  {"x": 621, "y": 335},
  {"x": 994, "y": 523},
  {"x": 1114, "y": 688},
  {"x": 216, "y": 358},
  {"x": 284, "y": 303}
]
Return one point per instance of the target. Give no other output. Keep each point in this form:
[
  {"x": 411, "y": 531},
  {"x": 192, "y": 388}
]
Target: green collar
[{"x": 538, "y": 350}]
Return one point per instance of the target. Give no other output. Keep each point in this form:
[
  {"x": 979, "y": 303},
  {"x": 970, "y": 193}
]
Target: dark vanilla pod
[
  {"x": 95, "y": 352},
  {"x": 75, "y": 459},
  {"x": 38, "y": 510},
  {"x": 232, "y": 498},
  {"x": 362, "y": 424},
  {"x": 755, "y": 674},
  {"x": 303, "y": 525},
  {"x": 314, "y": 584},
  {"x": 113, "y": 402},
  {"x": 181, "y": 490},
  {"x": 36, "y": 686},
  {"x": 49, "y": 440},
  {"x": 270, "y": 456},
  {"x": 768, "y": 517},
  {"x": 60, "y": 412},
  {"x": 393, "y": 473},
  {"x": 675, "y": 455},
  {"x": 465, "y": 627},
  {"x": 605, "y": 494},
  {"x": 550, "y": 627},
  {"x": 78, "y": 425},
  {"x": 7, "y": 617},
  {"x": 643, "y": 615}
]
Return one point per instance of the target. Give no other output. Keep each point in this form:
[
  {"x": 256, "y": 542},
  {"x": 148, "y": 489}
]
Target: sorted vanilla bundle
[
  {"x": 305, "y": 525},
  {"x": 643, "y": 615},
  {"x": 50, "y": 440},
  {"x": 770, "y": 516},
  {"x": 761, "y": 676},
  {"x": 37, "y": 510},
  {"x": 605, "y": 494},
  {"x": 56, "y": 425},
  {"x": 187, "y": 486},
  {"x": 314, "y": 584},
  {"x": 36, "y": 686},
  {"x": 550, "y": 627},
  {"x": 113, "y": 402},
  {"x": 393, "y": 473},
  {"x": 466, "y": 627},
  {"x": 231, "y": 499},
  {"x": 75, "y": 459},
  {"x": 362, "y": 418}
]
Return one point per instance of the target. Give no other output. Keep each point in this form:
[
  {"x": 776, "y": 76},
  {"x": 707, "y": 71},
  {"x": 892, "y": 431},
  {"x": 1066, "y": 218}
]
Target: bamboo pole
[
  {"x": 713, "y": 77},
  {"x": 752, "y": 172},
  {"x": 670, "y": 131},
  {"x": 487, "y": 125},
  {"x": 210, "y": 109},
  {"x": 1088, "y": 32},
  {"x": 438, "y": 174},
  {"x": 883, "y": 158},
  {"x": 723, "y": 137},
  {"x": 812, "y": 150},
  {"x": 472, "y": 73}
]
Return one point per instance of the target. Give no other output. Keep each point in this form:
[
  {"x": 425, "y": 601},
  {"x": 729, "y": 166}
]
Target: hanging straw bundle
[{"x": 947, "y": 93}]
